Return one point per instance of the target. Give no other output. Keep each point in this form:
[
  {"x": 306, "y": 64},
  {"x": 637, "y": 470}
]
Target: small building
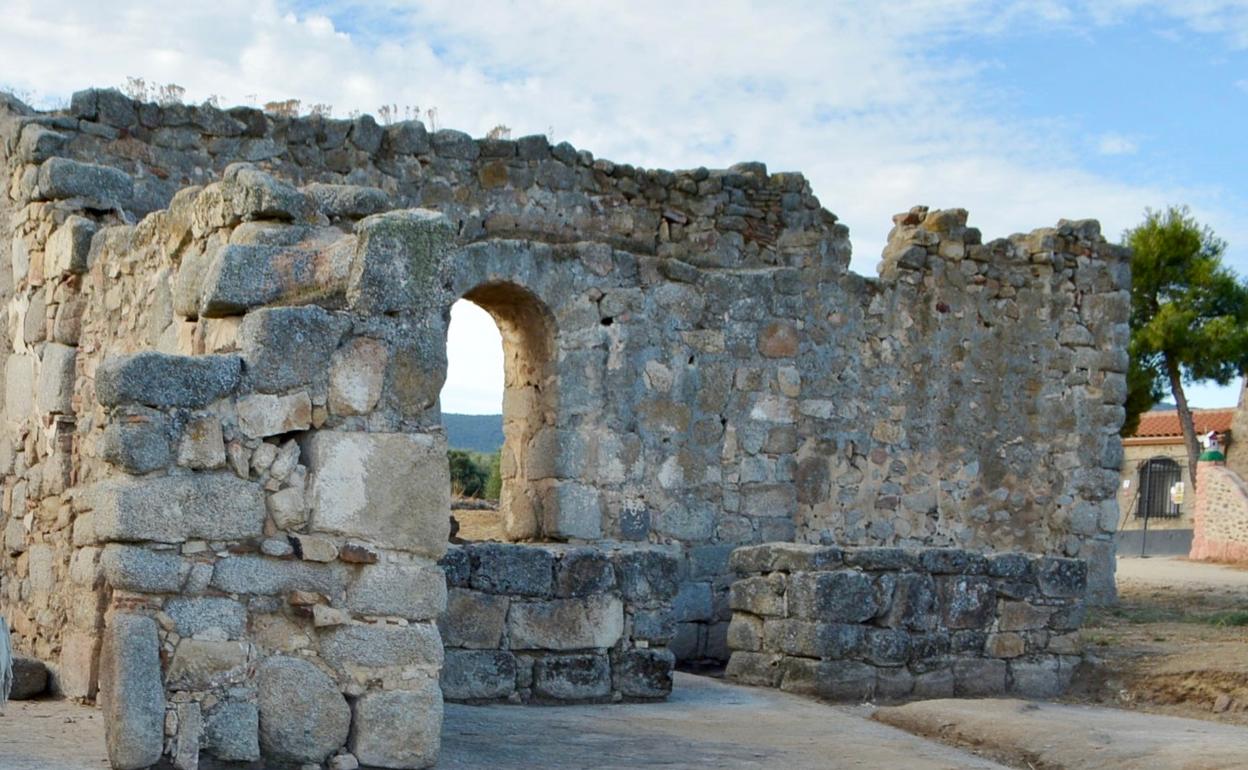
[{"x": 1154, "y": 494}]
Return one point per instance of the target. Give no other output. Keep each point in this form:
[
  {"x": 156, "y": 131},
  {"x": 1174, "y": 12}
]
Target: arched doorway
[{"x": 526, "y": 465}]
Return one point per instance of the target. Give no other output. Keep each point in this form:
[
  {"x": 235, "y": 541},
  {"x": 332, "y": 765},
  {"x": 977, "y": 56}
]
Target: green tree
[
  {"x": 494, "y": 482},
  {"x": 1189, "y": 315},
  {"x": 468, "y": 476}
]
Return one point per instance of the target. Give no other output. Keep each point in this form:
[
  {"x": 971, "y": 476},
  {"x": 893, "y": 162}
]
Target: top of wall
[
  {"x": 523, "y": 188},
  {"x": 527, "y": 188}
]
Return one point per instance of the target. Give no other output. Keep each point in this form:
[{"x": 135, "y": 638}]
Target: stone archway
[{"x": 530, "y": 399}]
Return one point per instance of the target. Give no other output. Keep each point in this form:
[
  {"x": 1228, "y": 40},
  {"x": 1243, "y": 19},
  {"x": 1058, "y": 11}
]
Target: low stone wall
[
  {"x": 1220, "y": 518},
  {"x": 891, "y": 624},
  {"x": 558, "y": 624}
]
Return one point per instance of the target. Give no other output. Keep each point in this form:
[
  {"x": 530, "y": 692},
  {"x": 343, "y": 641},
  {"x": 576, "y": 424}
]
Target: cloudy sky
[{"x": 1023, "y": 112}]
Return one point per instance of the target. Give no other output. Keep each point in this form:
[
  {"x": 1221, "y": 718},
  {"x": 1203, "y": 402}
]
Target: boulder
[
  {"x": 398, "y": 728},
  {"x": 302, "y": 716},
  {"x": 30, "y": 678}
]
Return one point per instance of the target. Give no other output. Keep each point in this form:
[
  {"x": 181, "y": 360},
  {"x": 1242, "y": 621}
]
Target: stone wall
[
  {"x": 558, "y": 624},
  {"x": 690, "y": 362},
  {"x": 1220, "y": 519},
  {"x": 860, "y": 624}
]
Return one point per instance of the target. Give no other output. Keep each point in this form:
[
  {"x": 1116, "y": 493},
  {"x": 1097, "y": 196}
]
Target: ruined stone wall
[
  {"x": 712, "y": 375},
  {"x": 558, "y": 624},
  {"x": 1220, "y": 518},
  {"x": 861, "y": 624}
]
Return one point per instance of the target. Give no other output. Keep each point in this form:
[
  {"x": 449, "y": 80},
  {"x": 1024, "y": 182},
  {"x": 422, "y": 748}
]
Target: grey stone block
[
  {"x": 138, "y": 442},
  {"x": 407, "y": 591},
  {"x": 937, "y": 683},
  {"x": 350, "y": 201},
  {"x": 30, "y": 678},
  {"x": 303, "y": 717},
  {"x": 754, "y": 668},
  {"x": 913, "y": 604},
  {"x": 644, "y": 673},
  {"x": 979, "y": 677},
  {"x": 693, "y": 602},
  {"x": 887, "y": 646},
  {"x": 254, "y": 194},
  {"x": 1038, "y": 677},
  {"x": 398, "y": 260},
  {"x": 408, "y": 137},
  {"x": 238, "y": 277},
  {"x": 582, "y": 572},
  {"x": 1015, "y": 566},
  {"x": 398, "y": 728},
  {"x": 1062, "y": 577},
  {"x": 382, "y": 645},
  {"x": 882, "y": 559},
  {"x": 162, "y": 380},
  {"x": 892, "y": 684},
  {"x": 572, "y": 677},
  {"x": 288, "y": 347},
  {"x": 646, "y": 574},
  {"x": 457, "y": 565},
  {"x": 469, "y": 675},
  {"x": 201, "y": 664},
  {"x": 566, "y": 624},
  {"x": 173, "y": 509},
  {"x": 943, "y": 561},
  {"x": 232, "y": 732},
  {"x": 392, "y": 489},
  {"x": 845, "y": 680},
  {"x": 967, "y": 602},
  {"x": 505, "y": 568},
  {"x": 193, "y": 616},
  {"x": 745, "y": 633},
  {"x": 54, "y": 391},
  {"x": 101, "y": 187},
  {"x": 761, "y": 595},
  {"x": 688, "y": 641},
  {"x": 799, "y": 675},
  {"x": 929, "y": 646},
  {"x": 68, "y": 247},
  {"x": 473, "y": 619},
  {"x": 577, "y": 514},
  {"x": 656, "y": 626},
  {"x": 265, "y": 576},
  {"x": 132, "y": 696},
  {"x": 139, "y": 569},
  {"x": 844, "y": 596}
]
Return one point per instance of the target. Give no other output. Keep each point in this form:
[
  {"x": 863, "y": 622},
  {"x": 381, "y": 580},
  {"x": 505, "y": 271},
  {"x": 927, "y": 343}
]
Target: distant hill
[{"x": 474, "y": 432}]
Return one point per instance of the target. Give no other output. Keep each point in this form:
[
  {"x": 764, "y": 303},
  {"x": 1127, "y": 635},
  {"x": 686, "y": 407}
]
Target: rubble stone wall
[
  {"x": 691, "y": 364},
  {"x": 862, "y": 624},
  {"x": 558, "y": 624},
  {"x": 1220, "y": 516}
]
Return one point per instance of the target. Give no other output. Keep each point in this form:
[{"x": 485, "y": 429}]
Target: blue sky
[{"x": 1021, "y": 111}]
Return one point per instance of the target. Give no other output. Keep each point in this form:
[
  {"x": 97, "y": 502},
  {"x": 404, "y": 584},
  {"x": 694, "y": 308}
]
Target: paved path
[
  {"x": 705, "y": 724},
  {"x": 1055, "y": 735},
  {"x": 1177, "y": 573},
  {"x": 51, "y": 735}
]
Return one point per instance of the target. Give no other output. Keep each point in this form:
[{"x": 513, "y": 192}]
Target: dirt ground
[{"x": 1177, "y": 644}]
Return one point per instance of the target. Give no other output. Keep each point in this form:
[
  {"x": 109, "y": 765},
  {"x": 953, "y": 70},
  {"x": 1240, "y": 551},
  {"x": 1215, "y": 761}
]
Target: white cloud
[{"x": 1116, "y": 144}]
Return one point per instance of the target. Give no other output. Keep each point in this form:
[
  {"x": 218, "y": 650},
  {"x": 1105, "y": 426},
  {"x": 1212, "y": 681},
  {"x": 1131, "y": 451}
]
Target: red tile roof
[{"x": 1166, "y": 424}]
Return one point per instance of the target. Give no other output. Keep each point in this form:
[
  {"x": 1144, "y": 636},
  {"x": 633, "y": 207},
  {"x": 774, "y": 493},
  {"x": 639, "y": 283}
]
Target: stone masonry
[
  {"x": 859, "y": 624},
  {"x": 558, "y": 624},
  {"x": 224, "y": 470}
]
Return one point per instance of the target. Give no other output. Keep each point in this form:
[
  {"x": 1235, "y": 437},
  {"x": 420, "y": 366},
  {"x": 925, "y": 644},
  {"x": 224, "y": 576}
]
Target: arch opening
[{"x": 524, "y": 474}]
